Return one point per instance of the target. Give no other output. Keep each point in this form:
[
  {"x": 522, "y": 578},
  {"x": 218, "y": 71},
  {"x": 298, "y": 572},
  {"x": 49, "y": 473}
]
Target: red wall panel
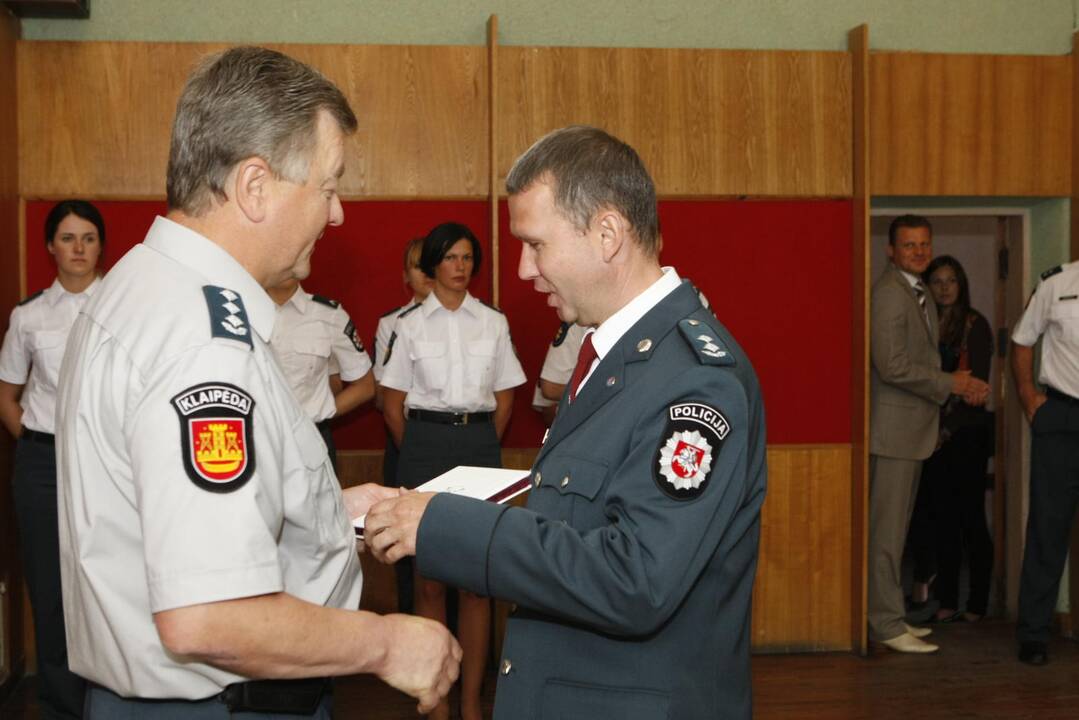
[{"x": 776, "y": 274}]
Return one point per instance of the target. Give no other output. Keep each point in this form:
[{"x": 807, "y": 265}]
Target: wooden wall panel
[
  {"x": 970, "y": 124},
  {"x": 11, "y": 595},
  {"x": 706, "y": 122},
  {"x": 802, "y": 598},
  {"x": 103, "y": 127}
]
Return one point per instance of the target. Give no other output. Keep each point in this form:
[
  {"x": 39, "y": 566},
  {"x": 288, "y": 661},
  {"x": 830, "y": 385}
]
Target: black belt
[
  {"x": 37, "y": 437},
  {"x": 448, "y": 418},
  {"x": 1063, "y": 397},
  {"x": 292, "y": 697}
]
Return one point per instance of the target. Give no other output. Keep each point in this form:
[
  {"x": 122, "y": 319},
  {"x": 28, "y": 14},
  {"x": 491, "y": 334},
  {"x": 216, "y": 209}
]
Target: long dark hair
[{"x": 953, "y": 319}]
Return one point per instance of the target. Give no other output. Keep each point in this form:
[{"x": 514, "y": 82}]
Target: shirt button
[
  {"x": 694, "y": 322},
  {"x": 537, "y": 479},
  {"x": 506, "y": 666},
  {"x": 565, "y": 481}
]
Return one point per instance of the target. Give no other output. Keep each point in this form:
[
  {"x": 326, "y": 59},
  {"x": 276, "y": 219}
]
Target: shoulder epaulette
[
  {"x": 560, "y": 334},
  {"x": 492, "y": 307},
  {"x": 228, "y": 318},
  {"x": 1052, "y": 271},
  {"x": 323, "y": 300},
  {"x": 31, "y": 298},
  {"x": 411, "y": 309},
  {"x": 705, "y": 342},
  {"x": 398, "y": 309}
]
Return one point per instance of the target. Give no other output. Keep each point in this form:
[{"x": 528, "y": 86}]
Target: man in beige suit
[{"x": 907, "y": 388}]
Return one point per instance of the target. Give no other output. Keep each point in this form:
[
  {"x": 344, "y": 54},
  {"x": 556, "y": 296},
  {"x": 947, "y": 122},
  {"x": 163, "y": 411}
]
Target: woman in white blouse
[
  {"x": 29, "y": 367},
  {"x": 451, "y": 362}
]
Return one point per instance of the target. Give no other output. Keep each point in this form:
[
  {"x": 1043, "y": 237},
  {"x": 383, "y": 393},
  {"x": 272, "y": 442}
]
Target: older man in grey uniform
[
  {"x": 205, "y": 541},
  {"x": 632, "y": 566}
]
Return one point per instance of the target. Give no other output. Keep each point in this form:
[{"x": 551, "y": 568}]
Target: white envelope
[{"x": 495, "y": 485}]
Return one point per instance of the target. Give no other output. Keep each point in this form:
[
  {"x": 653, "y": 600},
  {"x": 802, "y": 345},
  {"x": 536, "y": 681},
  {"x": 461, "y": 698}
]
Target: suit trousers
[
  {"x": 1054, "y": 496},
  {"x": 60, "y": 691},
  {"x": 893, "y": 487}
]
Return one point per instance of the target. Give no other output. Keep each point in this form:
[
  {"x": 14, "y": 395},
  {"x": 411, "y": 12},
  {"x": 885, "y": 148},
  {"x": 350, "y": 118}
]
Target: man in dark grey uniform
[{"x": 632, "y": 566}]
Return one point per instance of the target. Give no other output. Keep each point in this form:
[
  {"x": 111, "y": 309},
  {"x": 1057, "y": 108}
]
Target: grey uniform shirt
[
  {"x": 188, "y": 473},
  {"x": 34, "y": 346},
  {"x": 308, "y": 334},
  {"x": 1053, "y": 311}
]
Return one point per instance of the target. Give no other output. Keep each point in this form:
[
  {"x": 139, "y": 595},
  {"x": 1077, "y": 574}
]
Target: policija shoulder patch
[
  {"x": 687, "y": 449},
  {"x": 352, "y": 335},
  {"x": 217, "y": 433}
]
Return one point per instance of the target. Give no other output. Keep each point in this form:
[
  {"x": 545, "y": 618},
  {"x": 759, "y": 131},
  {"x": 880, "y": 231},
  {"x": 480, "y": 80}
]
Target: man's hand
[
  {"x": 1031, "y": 403},
  {"x": 973, "y": 390},
  {"x": 391, "y": 525},
  {"x": 359, "y": 499},
  {"x": 423, "y": 659}
]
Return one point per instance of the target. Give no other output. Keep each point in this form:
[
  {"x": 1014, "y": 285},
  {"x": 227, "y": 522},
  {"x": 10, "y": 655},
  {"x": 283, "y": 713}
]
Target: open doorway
[{"x": 991, "y": 245}]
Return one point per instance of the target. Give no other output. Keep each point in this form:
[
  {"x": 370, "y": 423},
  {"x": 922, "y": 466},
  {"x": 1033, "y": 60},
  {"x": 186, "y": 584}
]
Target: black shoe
[{"x": 1033, "y": 653}]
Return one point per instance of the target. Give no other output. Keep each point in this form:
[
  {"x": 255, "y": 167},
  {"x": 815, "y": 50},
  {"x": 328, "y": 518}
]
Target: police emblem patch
[
  {"x": 687, "y": 450},
  {"x": 217, "y": 435},
  {"x": 351, "y": 334}
]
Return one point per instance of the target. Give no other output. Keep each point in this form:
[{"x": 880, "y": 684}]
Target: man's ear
[
  {"x": 890, "y": 250},
  {"x": 251, "y": 187},
  {"x": 613, "y": 232}
]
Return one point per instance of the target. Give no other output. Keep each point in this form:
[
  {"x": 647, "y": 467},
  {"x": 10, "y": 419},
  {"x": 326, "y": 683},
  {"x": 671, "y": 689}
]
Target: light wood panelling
[
  {"x": 706, "y": 122},
  {"x": 970, "y": 124},
  {"x": 802, "y": 598},
  {"x": 859, "y": 376},
  {"x": 102, "y": 129}
]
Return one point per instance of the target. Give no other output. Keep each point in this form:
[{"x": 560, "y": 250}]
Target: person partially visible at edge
[
  {"x": 29, "y": 369},
  {"x": 208, "y": 559}
]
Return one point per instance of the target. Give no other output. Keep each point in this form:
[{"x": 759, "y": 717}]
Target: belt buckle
[{"x": 462, "y": 419}]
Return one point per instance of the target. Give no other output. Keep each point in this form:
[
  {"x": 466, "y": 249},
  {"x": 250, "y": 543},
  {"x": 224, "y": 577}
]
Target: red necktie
[{"x": 584, "y": 362}]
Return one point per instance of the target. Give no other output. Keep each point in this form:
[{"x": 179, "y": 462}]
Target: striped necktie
[{"x": 919, "y": 292}]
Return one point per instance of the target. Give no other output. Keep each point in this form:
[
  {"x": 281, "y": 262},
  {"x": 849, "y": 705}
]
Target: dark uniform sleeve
[{"x": 626, "y": 576}]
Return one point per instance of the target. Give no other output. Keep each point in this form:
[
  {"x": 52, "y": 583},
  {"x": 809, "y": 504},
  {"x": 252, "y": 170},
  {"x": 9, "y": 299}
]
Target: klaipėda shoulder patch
[
  {"x": 217, "y": 433},
  {"x": 688, "y": 448}
]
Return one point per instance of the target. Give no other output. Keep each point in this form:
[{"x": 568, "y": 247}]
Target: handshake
[{"x": 973, "y": 390}]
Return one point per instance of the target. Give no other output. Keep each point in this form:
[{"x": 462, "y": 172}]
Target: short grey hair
[
  {"x": 246, "y": 102},
  {"x": 589, "y": 170}
]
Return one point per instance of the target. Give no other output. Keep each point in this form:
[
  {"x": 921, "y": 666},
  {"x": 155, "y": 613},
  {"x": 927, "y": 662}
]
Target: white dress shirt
[
  {"x": 312, "y": 339},
  {"x": 452, "y": 360},
  {"x": 34, "y": 348}
]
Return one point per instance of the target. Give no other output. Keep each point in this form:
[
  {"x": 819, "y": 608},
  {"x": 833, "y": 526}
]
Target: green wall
[{"x": 970, "y": 26}]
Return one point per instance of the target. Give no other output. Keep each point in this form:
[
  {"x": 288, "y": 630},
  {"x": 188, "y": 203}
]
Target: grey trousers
[{"x": 893, "y": 486}]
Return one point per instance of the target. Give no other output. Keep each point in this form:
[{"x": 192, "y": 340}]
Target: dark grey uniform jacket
[{"x": 632, "y": 602}]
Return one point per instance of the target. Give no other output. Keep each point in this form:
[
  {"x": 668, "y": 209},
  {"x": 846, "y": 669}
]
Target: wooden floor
[{"x": 975, "y": 675}]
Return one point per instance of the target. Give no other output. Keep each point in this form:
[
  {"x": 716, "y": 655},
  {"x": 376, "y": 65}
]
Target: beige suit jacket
[{"x": 906, "y": 385}]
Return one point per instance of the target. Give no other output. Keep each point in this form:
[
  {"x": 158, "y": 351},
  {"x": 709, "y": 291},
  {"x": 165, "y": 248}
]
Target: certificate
[{"x": 482, "y": 483}]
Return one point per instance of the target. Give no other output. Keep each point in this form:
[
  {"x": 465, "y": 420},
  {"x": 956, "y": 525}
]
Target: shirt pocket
[
  {"x": 1065, "y": 314},
  {"x": 47, "y": 350},
  {"x": 303, "y": 356},
  {"x": 481, "y": 362},
  {"x": 430, "y": 362},
  {"x": 330, "y": 516}
]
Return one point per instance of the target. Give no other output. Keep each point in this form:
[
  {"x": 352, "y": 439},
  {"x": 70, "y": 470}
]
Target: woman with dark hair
[
  {"x": 952, "y": 489},
  {"x": 29, "y": 370},
  {"x": 451, "y": 362}
]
